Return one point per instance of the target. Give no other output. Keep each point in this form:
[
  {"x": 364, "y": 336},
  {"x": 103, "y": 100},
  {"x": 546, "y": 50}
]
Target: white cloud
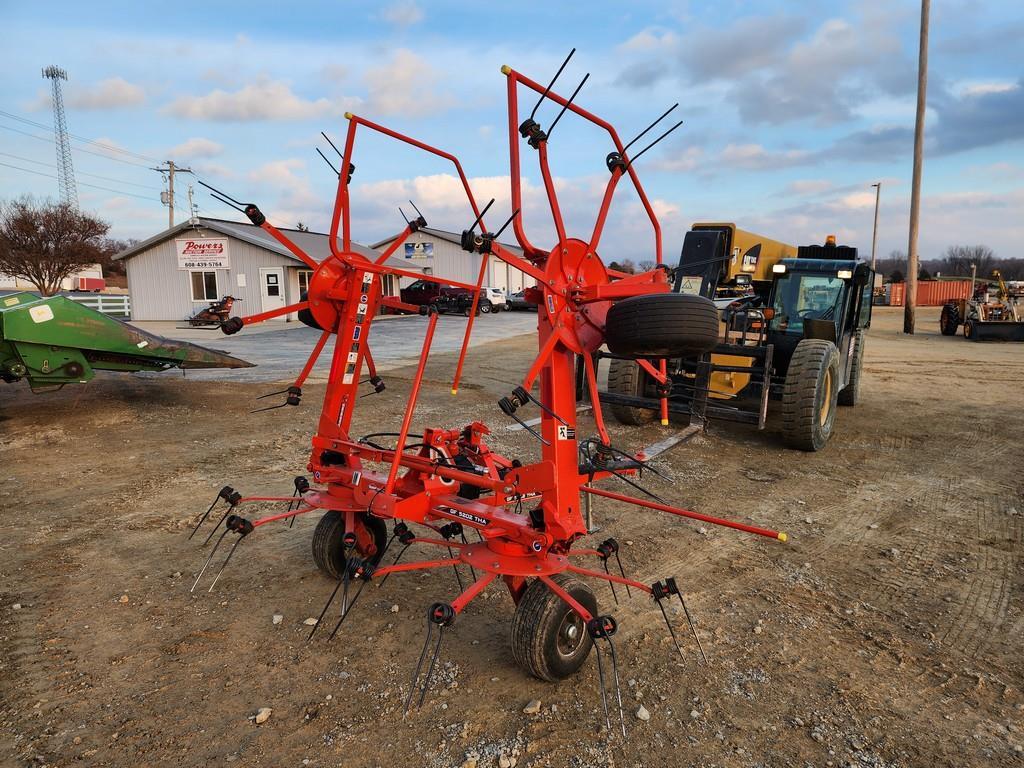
[
  {"x": 808, "y": 187},
  {"x": 971, "y": 88},
  {"x": 403, "y": 14},
  {"x": 404, "y": 85},
  {"x": 263, "y": 100},
  {"x": 196, "y": 148},
  {"x": 113, "y": 93},
  {"x": 688, "y": 159},
  {"x": 651, "y": 39},
  {"x": 754, "y": 157}
]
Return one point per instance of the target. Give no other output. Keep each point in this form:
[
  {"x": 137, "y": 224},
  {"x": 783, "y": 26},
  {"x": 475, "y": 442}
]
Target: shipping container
[{"x": 930, "y": 293}]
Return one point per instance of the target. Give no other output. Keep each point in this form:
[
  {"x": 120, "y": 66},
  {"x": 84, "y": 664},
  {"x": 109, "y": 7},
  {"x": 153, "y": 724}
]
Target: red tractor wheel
[{"x": 329, "y": 547}]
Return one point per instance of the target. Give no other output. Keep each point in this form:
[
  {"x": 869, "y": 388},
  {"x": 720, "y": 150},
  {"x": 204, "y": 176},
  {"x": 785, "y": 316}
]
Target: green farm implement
[{"x": 53, "y": 341}]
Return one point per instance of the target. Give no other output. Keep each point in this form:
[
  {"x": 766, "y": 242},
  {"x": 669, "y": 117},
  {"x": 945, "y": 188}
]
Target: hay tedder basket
[{"x": 524, "y": 516}]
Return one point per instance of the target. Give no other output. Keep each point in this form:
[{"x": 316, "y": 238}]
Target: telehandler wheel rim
[{"x": 826, "y": 402}]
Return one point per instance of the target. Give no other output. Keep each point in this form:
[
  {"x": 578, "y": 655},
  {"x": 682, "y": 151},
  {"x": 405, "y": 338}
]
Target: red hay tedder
[{"x": 527, "y": 516}]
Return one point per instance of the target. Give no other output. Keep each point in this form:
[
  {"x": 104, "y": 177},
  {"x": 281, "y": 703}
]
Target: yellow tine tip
[
  {"x": 783, "y": 537},
  {"x": 664, "y": 422},
  {"x": 349, "y": 115},
  {"x": 455, "y": 391},
  {"x": 505, "y": 69}
]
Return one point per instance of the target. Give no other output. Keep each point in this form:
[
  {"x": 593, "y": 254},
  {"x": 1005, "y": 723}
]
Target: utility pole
[
  {"x": 910, "y": 304},
  {"x": 65, "y": 170},
  {"x": 167, "y": 198},
  {"x": 874, "y": 233}
]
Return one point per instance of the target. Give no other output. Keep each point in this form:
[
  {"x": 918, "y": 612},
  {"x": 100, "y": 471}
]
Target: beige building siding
[{"x": 160, "y": 291}]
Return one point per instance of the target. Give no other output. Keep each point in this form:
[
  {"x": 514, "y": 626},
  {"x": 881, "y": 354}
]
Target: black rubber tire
[
  {"x": 969, "y": 330},
  {"x": 809, "y": 395},
  {"x": 306, "y": 315},
  {"x": 329, "y": 548},
  {"x": 486, "y": 308},
  {"x": 662, "y": 325},
  {"x": 949, "y": 319},
  {"x": 626, "y": 377},
  {"x": 539, "y": 619},
  {"x": 850, "y": 394}
]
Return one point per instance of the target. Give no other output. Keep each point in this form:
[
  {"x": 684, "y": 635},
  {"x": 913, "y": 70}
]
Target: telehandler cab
[{"x": 797, "y": 337}]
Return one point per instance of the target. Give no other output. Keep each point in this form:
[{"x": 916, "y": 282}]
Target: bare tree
[
  {"x": 44, "y": 243},
  {"x": 627, "y": 265},
  {"x": 647, "y": 265},
  {"x": 957, "y": 259}
]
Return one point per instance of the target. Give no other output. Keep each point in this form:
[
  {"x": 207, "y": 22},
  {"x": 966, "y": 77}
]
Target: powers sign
[{"x": 203, "y": 253}]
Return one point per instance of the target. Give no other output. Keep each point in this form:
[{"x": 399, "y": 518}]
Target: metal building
[
  {"x": 183, "y": 269},
  {"x": 437, "y": 252}
]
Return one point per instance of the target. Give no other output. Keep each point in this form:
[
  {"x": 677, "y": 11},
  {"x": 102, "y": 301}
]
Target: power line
[
  {"x": 109, "y": 147},
  {"x": 51, "y": 140},
  {"x": 81, "y": 184},
  {"x": 81, "y": 173}
]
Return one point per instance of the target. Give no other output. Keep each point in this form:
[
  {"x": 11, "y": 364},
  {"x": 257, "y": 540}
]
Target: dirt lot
[{"x": 887, "y": 631}]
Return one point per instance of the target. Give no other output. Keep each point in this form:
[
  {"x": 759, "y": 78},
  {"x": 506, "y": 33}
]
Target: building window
[
  {"x": 305, "y": 275},
  {"x": 204, "y": 286}
]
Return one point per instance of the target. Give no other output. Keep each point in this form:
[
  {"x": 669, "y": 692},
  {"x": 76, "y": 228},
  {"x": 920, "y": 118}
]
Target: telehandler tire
[
  {"x": 949, "y": 320},
  {"x": 626, "y": 377},
  {"x": 662, "y": 325},
  {"x": 850, "y": 394},
  {"x": 809, "y": 395}
]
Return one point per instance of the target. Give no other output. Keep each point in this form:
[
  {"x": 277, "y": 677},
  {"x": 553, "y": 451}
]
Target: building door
[
  {"x": 272, "y": 288},
  {"x": 499, "y": 275}
]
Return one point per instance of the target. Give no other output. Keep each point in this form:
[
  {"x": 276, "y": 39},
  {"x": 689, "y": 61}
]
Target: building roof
[
  {"x": 443, "y": 234},
  {"x": 316, "y": 244}
]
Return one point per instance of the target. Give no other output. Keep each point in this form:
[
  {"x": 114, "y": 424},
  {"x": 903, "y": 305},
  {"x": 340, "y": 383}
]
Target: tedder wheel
[
  {"x": 549, "y": 639},
  {"x": 809, "y": 395},
  {"x": 849, "y": 394},
  {"x": 329, "y": 547},
  {"x": 969, "y": 331},
  {"x": 949, "y": 319},
  {"x": 662, "y": 325},
  {"x": 626, "y": 377}
]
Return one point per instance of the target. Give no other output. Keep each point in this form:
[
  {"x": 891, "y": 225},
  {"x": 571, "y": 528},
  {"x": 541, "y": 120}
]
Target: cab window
[{"x": 801, "y": 297}]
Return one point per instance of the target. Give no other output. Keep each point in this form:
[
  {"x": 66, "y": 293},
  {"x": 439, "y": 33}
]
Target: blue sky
[{"x": 791, "y": 110}]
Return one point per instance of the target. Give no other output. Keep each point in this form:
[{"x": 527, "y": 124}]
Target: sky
[{"x": 790, "y": 110}]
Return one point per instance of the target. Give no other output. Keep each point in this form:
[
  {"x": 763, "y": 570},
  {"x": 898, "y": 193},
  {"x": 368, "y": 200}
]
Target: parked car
[
  {"x": 518, "y": 301},
  {"x": 496, "y": 298},
  {"x": 447, "y": 298}
]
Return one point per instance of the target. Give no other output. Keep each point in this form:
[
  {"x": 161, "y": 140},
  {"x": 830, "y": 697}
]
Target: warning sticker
[
  {"x": 691, "y": 285},
  {"x": 347, "y": 378},
  {"x": 566, "y": 433},
  {"x": 41, "y": 314},
  {"x": 356, "y": 332},
  {"x": 11, "y": 301},
  {"x": 353, "y": 356}
]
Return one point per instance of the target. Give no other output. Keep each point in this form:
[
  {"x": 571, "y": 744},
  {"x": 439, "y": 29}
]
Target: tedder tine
[
  {"x": 323, "y": 613},
  {"x": 442, "y": 614},
  {"x": 243, "y": 528},
  {"x": 363, "y": 570},
  {"x": 229, "y": 494},
  {"x": 662, "y": 589},
  {"x": 622, "y": 570},
  {"x": 600, "y": 682},
  {"x": 693, "y": 629},
  {"x": 207, "y": 563},
  {"x": 602, "y": 628}
]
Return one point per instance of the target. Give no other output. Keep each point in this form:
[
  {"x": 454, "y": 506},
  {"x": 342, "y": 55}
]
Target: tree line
[{"x": 955, "y": 261}]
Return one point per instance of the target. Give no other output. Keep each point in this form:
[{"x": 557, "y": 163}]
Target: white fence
[{"x": 116, "y": 305}]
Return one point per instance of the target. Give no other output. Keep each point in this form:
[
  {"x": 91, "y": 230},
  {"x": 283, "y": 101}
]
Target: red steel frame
[{"x": 574, "y": 291}]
